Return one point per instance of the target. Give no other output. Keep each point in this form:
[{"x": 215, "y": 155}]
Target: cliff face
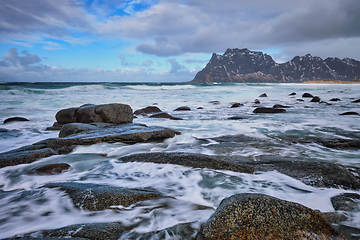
[{"x": 243, "y": 65}]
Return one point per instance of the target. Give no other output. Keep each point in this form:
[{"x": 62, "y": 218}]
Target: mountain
[{"x": 243, "y": 65}]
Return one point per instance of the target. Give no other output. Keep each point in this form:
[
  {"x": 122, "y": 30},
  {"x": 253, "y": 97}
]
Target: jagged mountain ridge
[{"x": 243, "y": 65}]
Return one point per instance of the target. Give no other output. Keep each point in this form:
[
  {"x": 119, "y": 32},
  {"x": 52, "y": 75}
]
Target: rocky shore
[{"x": 241, "y": 216}]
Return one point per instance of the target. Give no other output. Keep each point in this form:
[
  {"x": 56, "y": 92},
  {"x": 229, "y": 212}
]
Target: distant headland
[{"x": 243, "y": 65}]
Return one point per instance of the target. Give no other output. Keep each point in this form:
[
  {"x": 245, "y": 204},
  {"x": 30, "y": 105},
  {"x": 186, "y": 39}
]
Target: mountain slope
[{"x": 243, "y": 65}]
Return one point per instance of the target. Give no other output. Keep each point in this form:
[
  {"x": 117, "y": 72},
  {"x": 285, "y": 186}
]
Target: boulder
[
  {"x": 147, "y": 110},
  {"x": 300, "y": 100},
  {"x": 189, "y": 160},
  {"x": 356, "y": 101},
  {"x": 183, "y": 108},
  {"x": 263, "y": 95},
  {"x": 200, "y": 108},
  {"x": 257, "y": 101},
  {"x": 335, "y": 99},
  {"x": 16, "y": 119},
  {"x": 235, "y": 105},
  {"x": 292, "y": 94},
  {"x": 307, "y": 95},
  {"x": 269, "y": 110},
  {"x": 164, "y": 115},
  {"x": 349, "y": 113},
  {"x": 66, "y": 115},
  {"x": 110, "y": 113},
  {"x": 258, "y": 216},
  {"x": 95, "y": 197},
  {"x": 315, "y": 99},
  {"x": 346, "y": 202},
  {"x": 50, "y": 169}
]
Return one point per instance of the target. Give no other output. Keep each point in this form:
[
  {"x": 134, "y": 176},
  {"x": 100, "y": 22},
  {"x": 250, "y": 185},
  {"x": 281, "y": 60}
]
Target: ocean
[{"x": 26, "y": 207}]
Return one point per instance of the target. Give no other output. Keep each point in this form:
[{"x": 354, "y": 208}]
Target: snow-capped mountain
[{"x": 243, "y": 65}]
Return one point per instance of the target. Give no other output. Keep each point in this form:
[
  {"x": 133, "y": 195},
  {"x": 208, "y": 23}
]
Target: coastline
[{"x": 332, "y": 82}]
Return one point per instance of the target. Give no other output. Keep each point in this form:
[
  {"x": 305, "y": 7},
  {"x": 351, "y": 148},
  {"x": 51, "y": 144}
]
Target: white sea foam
[{"x": 273, "y": 134}]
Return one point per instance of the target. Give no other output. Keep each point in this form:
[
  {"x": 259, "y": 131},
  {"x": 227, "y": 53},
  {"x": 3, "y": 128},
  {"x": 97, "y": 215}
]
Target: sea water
[{"x": 26, "y": 207}]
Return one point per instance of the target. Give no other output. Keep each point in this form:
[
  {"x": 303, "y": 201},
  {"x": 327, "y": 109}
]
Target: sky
[{"x": 163, "y": 40}]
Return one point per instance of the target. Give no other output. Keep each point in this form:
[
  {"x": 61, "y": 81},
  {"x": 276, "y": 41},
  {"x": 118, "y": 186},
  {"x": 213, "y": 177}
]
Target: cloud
[
  {"x": 12, "y": 58},
  {"x": 196, "y": 26},
  {"x": 147, "y": 63},
  {"x": 161, "y": 48},
  {"x": 176, "y": 67},
  {"x": 123, "y": 61},
  {"x": 23, "y": 20}
]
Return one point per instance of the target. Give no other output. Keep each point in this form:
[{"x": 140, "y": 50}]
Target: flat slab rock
[
  {"x": 259, "y": 216},
  {"x": 317, "y": 174},
  {"x": 95, "y": 197},
  {"x": 84, "y": 134},
  {"x": 188, "y": 160}
]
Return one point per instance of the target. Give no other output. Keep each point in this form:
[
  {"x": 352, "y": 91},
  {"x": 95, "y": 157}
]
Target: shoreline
[{"x": 331, "y": 82}]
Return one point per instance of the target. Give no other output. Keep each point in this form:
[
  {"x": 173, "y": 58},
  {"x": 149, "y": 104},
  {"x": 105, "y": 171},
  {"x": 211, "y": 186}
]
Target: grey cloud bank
[{"x": 173, "y": 28}]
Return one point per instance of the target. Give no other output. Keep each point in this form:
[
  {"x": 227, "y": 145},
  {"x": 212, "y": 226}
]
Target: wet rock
[
  {"x": 281, "y": 106},
  {"x": 269, "y": 110},
  {"x": 2, "y": 130},
  {"x": 317, "y": 174},
  {"x": 51, "y": 169},
  {"x": 110, "y": 230},
  {"x": 257, "y": 101},
  {"x": 16, "y": 119},
  {"x": 215, "y": 102},
  {"x": 307, "y": 95},
  {"x": 66, "y": 115},
  {"x": 73, "y": 128},
  {"x": 95, "y": 197},
  {"x": 315, "y": 99},
  {"x": 263, "y": 95},
  {"x": 183, "y": 108},
  {"x": 326, "y": 103},
  {"x": 258, "y": 216},
  {"x": 147, "y": 110},
  {"x": 356, "y": 101},
  {"x": 235, "y": 105},
  {"x": 346, "y": 202},
  {"x": 333, "y": 217},
  {"x": 292, "y": 94},
  {"x": 237, "y": 118},
  {"x": 200, "y": 108},
  {"x": 29, "y": 154},
  {"x": 110, "y": 113},
  {"x": 349, "y": 113},
  {"x": 300, "y": 100},
  {"x": 339, "y": 143},
  {"x": 188, "y": 160},
  {"x": 55, "y": 127},
  {"x": 164, "y": 115},
  {"x": 96, "y": 133},
  {"x": 335, "y": 99}
]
